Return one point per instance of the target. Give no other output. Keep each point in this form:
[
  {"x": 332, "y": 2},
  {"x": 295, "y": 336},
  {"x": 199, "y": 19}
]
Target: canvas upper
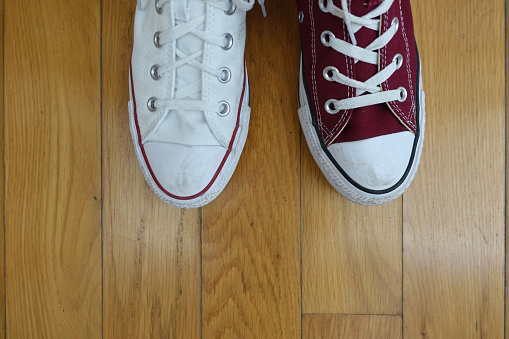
[{"x": 189, "y": 90}]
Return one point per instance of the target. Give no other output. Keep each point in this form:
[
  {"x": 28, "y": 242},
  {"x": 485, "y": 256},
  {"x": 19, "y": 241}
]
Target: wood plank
[
  {"x": 351, "y": 326},
  {"x": 52, "y": 159},
  {"x": 507, "y": 181},
  {"x": 454, "y": 211},
  {"x": 151, "y": 250},
  {"x": 251, "y": 255},
  {"x": 351, "y": 254},
  {"x": 2, "y": 184}
]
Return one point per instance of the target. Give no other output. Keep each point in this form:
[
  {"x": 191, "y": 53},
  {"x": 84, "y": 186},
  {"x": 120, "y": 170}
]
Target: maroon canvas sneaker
[{"x": 360, "y": 94}]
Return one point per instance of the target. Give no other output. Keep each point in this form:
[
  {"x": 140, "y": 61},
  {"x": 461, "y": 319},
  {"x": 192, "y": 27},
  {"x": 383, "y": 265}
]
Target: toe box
[
  {"x": 182, "y": 171},
  {"x": 378, "y": 163}
]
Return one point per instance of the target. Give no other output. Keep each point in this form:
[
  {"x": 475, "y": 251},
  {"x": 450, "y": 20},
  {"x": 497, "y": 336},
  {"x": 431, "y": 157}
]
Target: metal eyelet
[
  {"x": 323, "y": 5},
  {"x": 402, "y": 94},
  {"x": 328, "y": 73},
  {"x": 232, "y": 9},
  {"x": 228, "y": 41},
  {"x": 399, "y": 60},
  {"x": 159, "y": 9},
  {"x": 330, "y": 107},
  {"x": 156, "y": 39},
  {"x": 225, "y": 109},
  {"x": 151, "y": 104},
  {"x": 301, "y": 16},
  {"x": 395, "y": 22},
  {"x": 154, "y": 72},
  {"x": 226, "y": 75},
  {"x": 326, "y": 38}
]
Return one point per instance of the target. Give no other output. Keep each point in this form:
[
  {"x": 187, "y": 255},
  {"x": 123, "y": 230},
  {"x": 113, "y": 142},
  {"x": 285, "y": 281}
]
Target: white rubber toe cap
[
  {"x": 376, "y": 163},
  {"x": 183, "y": 171}
]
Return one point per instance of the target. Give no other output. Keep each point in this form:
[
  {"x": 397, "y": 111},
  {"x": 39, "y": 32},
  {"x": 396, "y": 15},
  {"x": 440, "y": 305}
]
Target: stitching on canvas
[
  {"x": 395, "y": 106},
  {"x": 409, "y": 72},
  {"x": 349, "y": 73},
  {"x": 313, "y": 65}
]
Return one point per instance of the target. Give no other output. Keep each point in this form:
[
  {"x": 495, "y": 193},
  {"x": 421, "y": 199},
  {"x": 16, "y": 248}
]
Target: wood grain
[
  {"x": 52, "y": 159},
  {"x": 454, "y": 211},
  {"x": 251, "y": 256},
  {"x": 447, "y": 281},
  {"x": 351, "y": 326},
  {"x": 151, "y": 250},
  {"x": 506, "y": 320},
  {"x": 351, "y": 254},
  {"x": 2, "y": 184}
]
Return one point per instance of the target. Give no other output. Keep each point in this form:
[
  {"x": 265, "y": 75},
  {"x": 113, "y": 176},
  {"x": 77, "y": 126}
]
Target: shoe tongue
[
  {"x": 360, "y": 8},
  {"x": 363, "y": 7},
  {"x": 375, "y": 115},
  {"x": 364, "y": 37},
  {"x": 374, "y": 3},
  {"x": 186, "y": 10}
]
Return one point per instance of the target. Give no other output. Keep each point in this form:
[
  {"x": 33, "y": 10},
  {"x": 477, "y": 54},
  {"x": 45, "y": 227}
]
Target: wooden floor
[{"x": 90, "y": 252}]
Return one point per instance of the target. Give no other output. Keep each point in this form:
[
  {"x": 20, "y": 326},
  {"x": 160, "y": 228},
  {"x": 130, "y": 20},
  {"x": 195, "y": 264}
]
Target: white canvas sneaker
[{"x": 189, "y": 108}]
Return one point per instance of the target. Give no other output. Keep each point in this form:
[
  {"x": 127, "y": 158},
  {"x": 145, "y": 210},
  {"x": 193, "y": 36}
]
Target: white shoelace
[
  {"x": 182, "y": 96},
  {"x": 368, "y": 55}
]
